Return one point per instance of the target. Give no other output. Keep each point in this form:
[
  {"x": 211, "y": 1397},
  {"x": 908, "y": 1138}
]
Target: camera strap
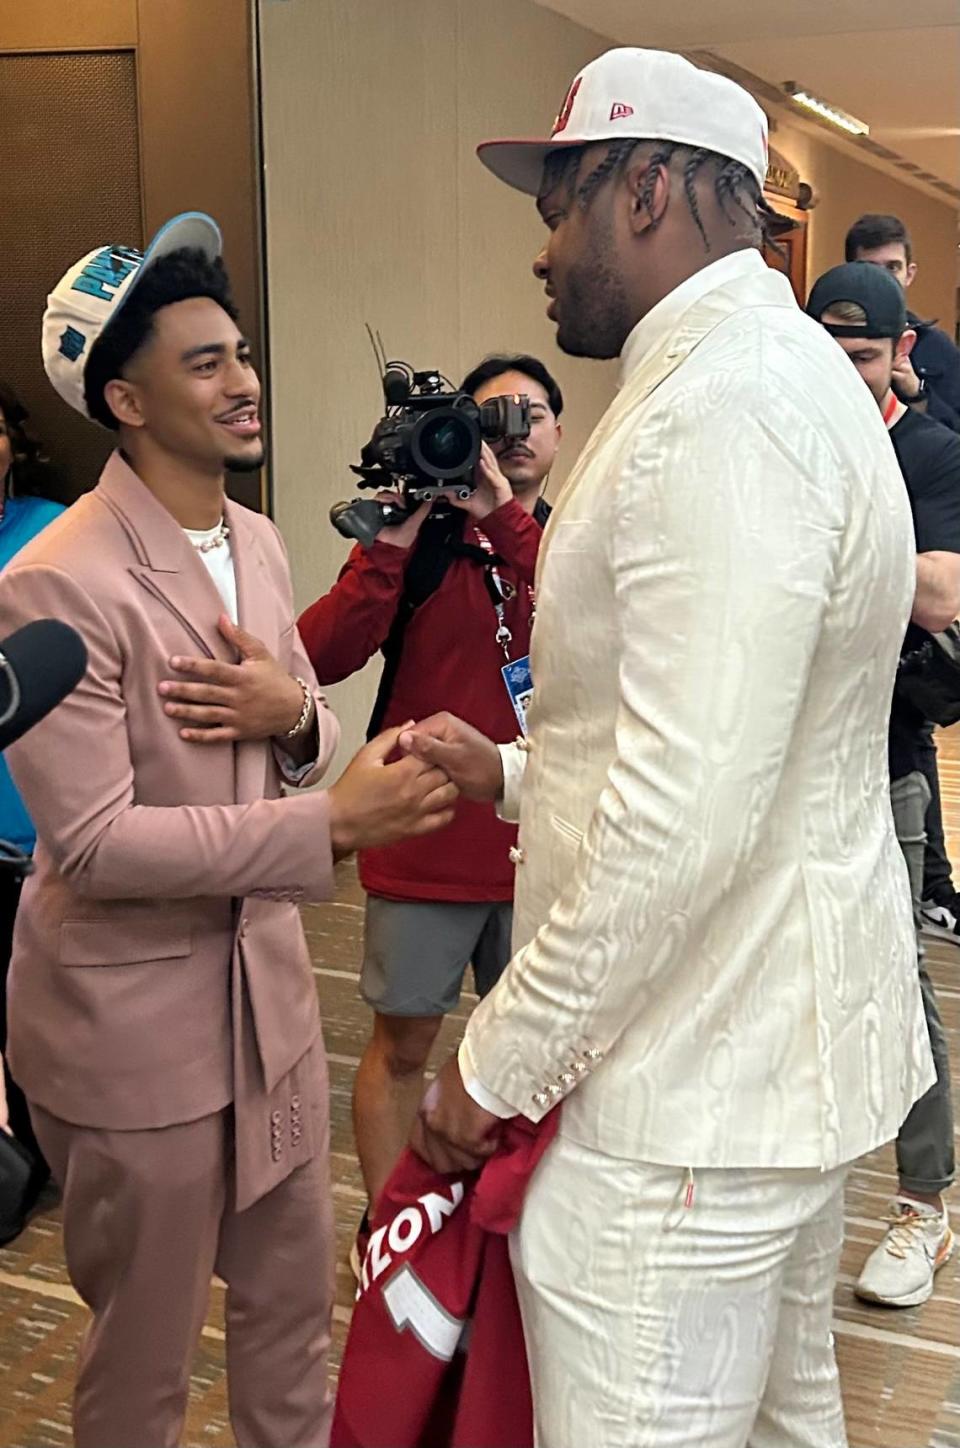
[{"x": 434, "y": 551}]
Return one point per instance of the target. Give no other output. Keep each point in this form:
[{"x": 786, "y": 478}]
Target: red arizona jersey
[{"x": 435, "y": 1357}]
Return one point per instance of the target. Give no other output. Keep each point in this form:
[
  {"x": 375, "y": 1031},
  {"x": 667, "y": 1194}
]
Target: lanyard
[
  {"x": 499, "y": 593},
  {"x": 890, "y": 409}
]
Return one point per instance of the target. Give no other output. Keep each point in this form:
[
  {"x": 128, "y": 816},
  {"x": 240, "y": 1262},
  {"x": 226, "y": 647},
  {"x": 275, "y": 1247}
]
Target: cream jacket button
[
  {"x": 516, "y": 855},
  {"x": 540, "y": 1098}
]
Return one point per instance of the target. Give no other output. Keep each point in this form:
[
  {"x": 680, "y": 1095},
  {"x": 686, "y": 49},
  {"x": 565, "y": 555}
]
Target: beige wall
[
  {"x": 847, "y": 189},
  {"x": 378, "y": 211}
]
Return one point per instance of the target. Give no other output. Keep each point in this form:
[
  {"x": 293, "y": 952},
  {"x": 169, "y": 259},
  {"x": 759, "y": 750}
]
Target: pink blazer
[{"x": 159, "y": 968}]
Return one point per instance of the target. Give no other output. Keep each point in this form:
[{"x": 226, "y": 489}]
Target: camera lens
[
  {"x": 445, "y": 442},
  {"x": 446, "y": 445}
]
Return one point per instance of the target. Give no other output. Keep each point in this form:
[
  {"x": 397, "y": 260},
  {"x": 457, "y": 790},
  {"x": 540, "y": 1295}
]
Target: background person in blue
[{"x": 25, "y": 479}]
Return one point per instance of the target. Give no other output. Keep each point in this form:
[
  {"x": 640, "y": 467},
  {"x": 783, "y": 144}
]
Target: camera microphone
[{"x": 40, "y": 664}]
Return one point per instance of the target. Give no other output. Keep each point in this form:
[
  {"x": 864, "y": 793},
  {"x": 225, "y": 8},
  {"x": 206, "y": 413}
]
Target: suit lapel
[
  {"x": 256, "y": 605},
  {"x": 166, "y": 564},
  {"x": 257, "y": 615},
  {"x": 760, "y": 287},
  {"x": 647, "y": 377}
]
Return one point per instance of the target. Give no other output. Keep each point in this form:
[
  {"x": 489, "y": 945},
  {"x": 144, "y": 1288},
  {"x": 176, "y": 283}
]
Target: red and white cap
[{"x": 648, "y": 95}]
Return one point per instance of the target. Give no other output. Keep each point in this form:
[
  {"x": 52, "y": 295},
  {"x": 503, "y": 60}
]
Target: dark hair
[
  {"x": 735, "y": 187},
  {"x": 874, "y": 230},
  {"x": 499, "y": 362},
  {"x": 177, "y": 277},
  {"x": 31, "y": 473}
]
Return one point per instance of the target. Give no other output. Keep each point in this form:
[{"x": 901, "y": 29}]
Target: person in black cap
[
  {"x": 927, "y": 377},
  {"x": 863, "y": 308}
]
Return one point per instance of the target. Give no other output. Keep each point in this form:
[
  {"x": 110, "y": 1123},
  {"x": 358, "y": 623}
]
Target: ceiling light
[{"x": 833, "y": 114}]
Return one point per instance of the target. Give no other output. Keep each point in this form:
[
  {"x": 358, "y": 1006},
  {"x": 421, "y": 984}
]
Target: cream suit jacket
[
  {"x": 715, "y": 959},
  {"x": 159, "y": 966}
]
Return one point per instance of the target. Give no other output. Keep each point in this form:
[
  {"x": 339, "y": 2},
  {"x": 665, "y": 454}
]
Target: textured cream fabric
[
  {"x": 653, "y": 1325},
  {"x": 715, "y": 962}
]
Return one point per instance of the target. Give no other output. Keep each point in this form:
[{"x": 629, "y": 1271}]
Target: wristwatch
[{"x": 921, "y": 394}]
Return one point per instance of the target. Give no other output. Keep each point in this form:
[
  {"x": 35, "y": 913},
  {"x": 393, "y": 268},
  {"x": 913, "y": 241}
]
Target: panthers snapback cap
[{"x": 88, "y": 296}]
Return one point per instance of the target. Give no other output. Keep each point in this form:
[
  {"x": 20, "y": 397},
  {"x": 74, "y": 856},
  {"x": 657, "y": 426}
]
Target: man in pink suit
[{"x": 163, "y": 1018}]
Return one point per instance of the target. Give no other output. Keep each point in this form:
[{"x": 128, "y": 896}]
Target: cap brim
[
  {"x": 190, "y": 229},
  {"x": 194, "y": 229},
  {"x": 520, "y": 162}
]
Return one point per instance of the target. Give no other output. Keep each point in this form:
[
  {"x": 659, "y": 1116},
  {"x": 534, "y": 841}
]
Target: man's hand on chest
[{"x": 253, "y": 699}]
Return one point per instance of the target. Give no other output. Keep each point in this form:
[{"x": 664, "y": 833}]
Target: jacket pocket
[
  {"x": 569, "y": 832},
  {"x": 104, "y": 942}
]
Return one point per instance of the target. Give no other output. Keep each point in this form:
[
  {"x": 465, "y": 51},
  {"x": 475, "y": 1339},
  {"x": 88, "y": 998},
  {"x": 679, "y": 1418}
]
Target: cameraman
[{"x": 424, "y": 594}]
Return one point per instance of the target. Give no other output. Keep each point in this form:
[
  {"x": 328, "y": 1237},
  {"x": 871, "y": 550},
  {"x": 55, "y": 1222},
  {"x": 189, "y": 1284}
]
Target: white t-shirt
[{"x": 219, "y": 564}]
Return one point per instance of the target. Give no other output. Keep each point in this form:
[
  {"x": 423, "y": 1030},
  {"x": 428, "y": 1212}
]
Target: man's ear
[
  {"x": 123, "y": 400},
  {"x": 910, "y": 273},
  {"x": 647, "y": 207},
  {"x": 905, "y": 345}
]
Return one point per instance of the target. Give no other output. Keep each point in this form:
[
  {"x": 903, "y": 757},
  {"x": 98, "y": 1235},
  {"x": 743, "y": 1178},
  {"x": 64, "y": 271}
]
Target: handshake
[{"x": 407, "y": 781}]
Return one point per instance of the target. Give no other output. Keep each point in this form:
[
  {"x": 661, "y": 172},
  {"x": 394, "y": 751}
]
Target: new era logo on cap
[{"x": 620, "y": 110}]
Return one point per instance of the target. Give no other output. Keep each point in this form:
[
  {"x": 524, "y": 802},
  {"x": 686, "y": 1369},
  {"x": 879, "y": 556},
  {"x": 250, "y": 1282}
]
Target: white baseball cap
[
  {"x": 647, "y": 95},
  {"x": 89, "y": 295}
]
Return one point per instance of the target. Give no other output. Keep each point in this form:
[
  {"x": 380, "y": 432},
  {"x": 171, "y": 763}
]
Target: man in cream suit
[
  {"x": 714, "y": 966},
  {"x": 163, "y": 1017}
]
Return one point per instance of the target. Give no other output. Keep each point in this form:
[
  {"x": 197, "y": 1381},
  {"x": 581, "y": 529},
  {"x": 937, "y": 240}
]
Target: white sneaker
[
  {"x": 939, "y": 921},
  {"x": 917, "y": 1243}
]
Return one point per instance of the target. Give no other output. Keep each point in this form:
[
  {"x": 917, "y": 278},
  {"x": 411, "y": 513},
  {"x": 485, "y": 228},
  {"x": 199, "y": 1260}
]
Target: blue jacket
[{"x": 23, "y": 519}]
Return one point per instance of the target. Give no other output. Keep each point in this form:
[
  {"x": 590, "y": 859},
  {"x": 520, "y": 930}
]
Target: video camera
[{"x": 425, "y": 447}]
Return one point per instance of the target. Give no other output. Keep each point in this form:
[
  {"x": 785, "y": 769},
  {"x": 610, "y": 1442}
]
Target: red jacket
[
  {"x": 450, "y": 660},
  {"x": 435, "y": 1357}
]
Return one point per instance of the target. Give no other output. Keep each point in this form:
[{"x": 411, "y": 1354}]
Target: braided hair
[{"x": 735, "y": 187}]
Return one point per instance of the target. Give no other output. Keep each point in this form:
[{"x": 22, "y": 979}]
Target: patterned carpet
[{"x": 900, "y": 1370}]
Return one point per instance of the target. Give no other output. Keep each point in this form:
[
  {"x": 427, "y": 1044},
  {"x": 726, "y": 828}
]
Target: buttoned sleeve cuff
[
  {"x": 487, "y": 1100},
  {"x": 513, "y": 760}
]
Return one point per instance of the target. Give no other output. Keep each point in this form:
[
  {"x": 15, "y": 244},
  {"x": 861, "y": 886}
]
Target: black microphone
[{"x": 40, "y": 664}]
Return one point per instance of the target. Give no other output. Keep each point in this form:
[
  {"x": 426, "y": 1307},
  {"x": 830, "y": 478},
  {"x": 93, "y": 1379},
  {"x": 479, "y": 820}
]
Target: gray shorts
[{"x": 416, "y": 953}]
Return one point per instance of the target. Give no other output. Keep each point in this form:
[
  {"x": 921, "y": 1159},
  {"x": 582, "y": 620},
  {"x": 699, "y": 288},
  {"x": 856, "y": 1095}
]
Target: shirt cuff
[
  {"x": 475, "y": 1089},
  {"x": 292, "y": 772},
  {"x": 295, "y": 771},
  {"x": 513, "y": 760}
]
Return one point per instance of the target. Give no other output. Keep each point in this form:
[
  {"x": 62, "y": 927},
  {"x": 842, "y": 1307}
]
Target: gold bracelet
[{"x": 304, "y": 719}]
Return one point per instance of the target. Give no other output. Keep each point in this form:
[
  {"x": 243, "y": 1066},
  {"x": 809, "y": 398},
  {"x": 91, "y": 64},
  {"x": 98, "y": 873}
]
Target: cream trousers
[{"x": 664, "y": 1310}]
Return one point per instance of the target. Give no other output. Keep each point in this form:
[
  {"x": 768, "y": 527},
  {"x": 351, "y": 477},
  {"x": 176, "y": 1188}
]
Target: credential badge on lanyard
[{"x": 516, "y": 672}]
